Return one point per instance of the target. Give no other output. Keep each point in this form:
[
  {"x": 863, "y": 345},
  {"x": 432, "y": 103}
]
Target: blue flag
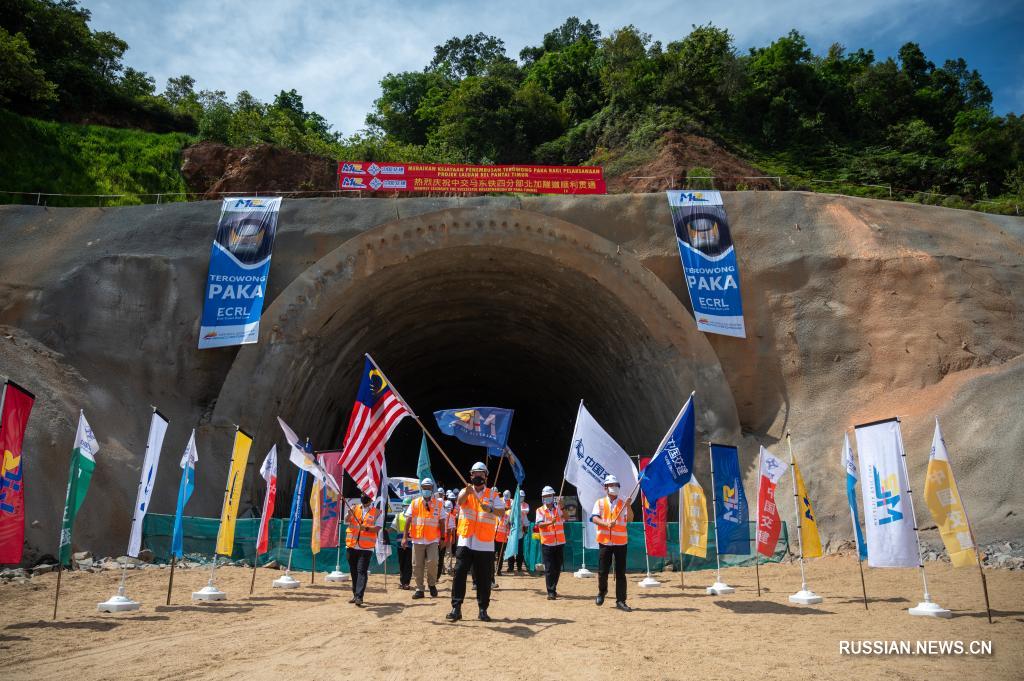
[
  {"x": 512, "y": 545},
  {"x": 513, "y": 460},
  {"x": 298, "y": 497},
  {"x": 851, "y": 496},
  {"x": 482, "y": 426},
  {"x": 188, "y": 483},
  {"x": 732, "y": 518},
  {"x": 672, "y": 464}
]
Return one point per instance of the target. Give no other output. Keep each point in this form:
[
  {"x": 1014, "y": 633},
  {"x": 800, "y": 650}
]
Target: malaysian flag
[{"x": 376, "y": 412}]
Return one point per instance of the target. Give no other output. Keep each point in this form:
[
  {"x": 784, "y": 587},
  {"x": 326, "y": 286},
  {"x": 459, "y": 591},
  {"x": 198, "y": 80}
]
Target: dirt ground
[{"x": 312, "y": 633}]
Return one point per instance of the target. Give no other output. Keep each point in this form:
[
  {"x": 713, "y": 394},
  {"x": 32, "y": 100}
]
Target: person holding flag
[
  {"x": 360, "y": 541},
  {"x": 612, "y": 514},
  {"x": 424, "y": 519},
  {"x": 478, "y": 509},
  {"x": 551, "y": 524}
]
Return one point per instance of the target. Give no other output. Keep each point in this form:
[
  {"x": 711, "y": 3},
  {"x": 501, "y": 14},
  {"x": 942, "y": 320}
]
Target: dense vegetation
[{"x": 579, "y": 96}]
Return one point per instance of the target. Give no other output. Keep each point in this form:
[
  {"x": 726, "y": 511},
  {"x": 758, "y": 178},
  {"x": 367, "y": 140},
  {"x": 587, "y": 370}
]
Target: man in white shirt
[{"x": 475, "y": 548}]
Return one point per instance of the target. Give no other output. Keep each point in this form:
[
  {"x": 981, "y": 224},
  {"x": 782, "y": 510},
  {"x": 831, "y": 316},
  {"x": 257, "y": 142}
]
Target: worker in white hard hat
[
  {"x": 478, "y": 506},
  {"x": 424, "y": 522},
  {"x": 611, "y": 515},
  {"x": 551, "y": 525}
]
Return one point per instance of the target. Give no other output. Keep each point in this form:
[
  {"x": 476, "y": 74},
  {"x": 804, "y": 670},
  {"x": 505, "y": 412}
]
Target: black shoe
[
  {"x": 599, "y": 600},
  {"x": 417, "y": 594},
  {"x": 352, "y": 600},
  {"x": 484, "y": 617},
  {"x": 358, "y": 601},
  {"x": 454, "y": 616},
  {"x": 494, "y": 585},
  {"x": 621, "y": 605},
  {"x": 433, "y": 592},
  {"x": 551, "y": 597}
]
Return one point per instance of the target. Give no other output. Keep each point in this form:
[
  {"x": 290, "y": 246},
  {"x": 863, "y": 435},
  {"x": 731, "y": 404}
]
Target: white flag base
[
  {"x": 285, "y": 581},
  {"x": 805, "y": 597},
  {"x": 583, "y": 573},
  {"x": 336, "y": 576},
  {"x": 929, "y": 609},
  {"x": 649, "y": 581},
  {"x": 118, "y": 603},
  {"x": 720, "y": 589},
  {"x": 209, "y": 593}
]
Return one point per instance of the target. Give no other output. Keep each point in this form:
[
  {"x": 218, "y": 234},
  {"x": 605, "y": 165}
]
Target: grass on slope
[{"x": 45, "y": 156}]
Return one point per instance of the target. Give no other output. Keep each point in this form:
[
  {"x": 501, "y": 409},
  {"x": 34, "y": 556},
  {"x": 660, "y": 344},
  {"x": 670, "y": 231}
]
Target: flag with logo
[
  {"x": 423, "y": 463},
  {"x": 672, "y": 464},
  {"x": 655, "y": 518},
  {"x": 810, "y": 539},
  {"x": 693, "y": 530},
  {"x": 150, "y": 463},
  {"x": 301, "y": 454},
  {"x": 943, "y": 498},
  {"x": 732, "y": 516},
  {"x": 185, "y": 488},
  {"x": 481, "y": 426},
  {"x": 15, "y": 407},
  {"x": 233, "y": 493},
  {"x": 769, "y": 524},
  {"x": 888, "y": 519},
  {"x": 593, "y": 454},
  {"x": 851, "y": 497},
  {"x": 330, "y": 501},
  {"x": 375, "y": 414},
  {"x": 83, "y": 463},
  {"x": 268, "y": 471}
]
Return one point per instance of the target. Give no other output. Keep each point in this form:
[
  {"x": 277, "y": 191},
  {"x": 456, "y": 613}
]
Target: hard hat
[
  {"x": 479, "y": 466},
  {"x": 426, "y": 482},
  {"x": 451, "y": 495},
  {"x": 610, "y": 480},
  {"x": 447, "y": 505},
  {"x": 507, "y": 494},
  {"x": 547, "y": 491}
]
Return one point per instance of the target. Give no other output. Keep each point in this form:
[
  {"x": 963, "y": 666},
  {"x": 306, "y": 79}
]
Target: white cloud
[{"x": 335, "y": 53}]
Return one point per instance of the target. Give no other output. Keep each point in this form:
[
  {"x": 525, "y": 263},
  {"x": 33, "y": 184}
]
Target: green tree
[
  {"x": 472, "y": 55},
  {"x": 20, "y": 77},
  {"x": 629, "y": 67},
  {"x": 699, "y": 71},
  {"x": 396, "y": 112},
  {"x": 570, "y": 32}
]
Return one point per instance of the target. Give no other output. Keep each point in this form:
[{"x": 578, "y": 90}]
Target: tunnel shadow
[
  {"x": 91, "y": 625},
  {"x": 769, "y": 608}
]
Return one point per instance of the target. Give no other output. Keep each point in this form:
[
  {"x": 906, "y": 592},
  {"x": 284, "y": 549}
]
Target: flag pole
[
  {"x": 804, "y": 596},
  {"x": 863, "y": 588},
  {"x": 255, "y": 564},
  {"x": 60, "y": 566},
  {"x": 757, "y": 528},
  {"x": 977, "y": 552},
  {"x": 170, "y": 579},
  {"x": 418, "y": 421},
  {"x": 501, "y": 460},
  {"x": 719, "y": 587},
  {"x": 682, "y": 500},
  {"x": 927, "y": 607}
]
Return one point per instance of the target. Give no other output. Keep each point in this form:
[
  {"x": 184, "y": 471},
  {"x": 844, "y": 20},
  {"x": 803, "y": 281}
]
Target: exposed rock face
[
  {"x": 212, "y": 168},
  {"x": 856, "y": 310}
]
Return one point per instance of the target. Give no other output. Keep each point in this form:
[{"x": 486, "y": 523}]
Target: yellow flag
[
  {"x": 233, "y": 493},
  {"x": 944, "y": 502},
  {"x": 694, "y": 530},
  {"x": 809, "y": 537},
  {"x": 314, "y": 506}
]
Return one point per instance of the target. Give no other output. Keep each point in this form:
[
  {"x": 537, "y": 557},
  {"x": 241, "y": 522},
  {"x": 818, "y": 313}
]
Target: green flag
[
  {"x": 423, "y": 465},
  {"x": 83, "y": 462}
]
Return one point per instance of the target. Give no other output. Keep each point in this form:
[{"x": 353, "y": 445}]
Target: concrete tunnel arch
[{"x": 481, "y": 306}]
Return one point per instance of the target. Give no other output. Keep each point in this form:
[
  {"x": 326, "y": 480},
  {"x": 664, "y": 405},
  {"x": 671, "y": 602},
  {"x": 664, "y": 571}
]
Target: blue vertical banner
[
  {"x": 709, "y": 261},
  {"x": 239, "y": 265},
  {"x": 295, "y": 517},
  {"x": 732, "y": 515}
]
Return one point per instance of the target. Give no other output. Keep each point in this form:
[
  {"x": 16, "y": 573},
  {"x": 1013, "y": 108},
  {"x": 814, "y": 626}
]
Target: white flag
[
  {"x": 268, "y": 469},
  {"x": 381, "y": 549},
  {"x": 191, "y": 455},
  {"x": 306, "y": 461},
  {"x": 593, "y": 454},
  {"x": 150, "y": 461},
  {"x": 888, "y": 518}
]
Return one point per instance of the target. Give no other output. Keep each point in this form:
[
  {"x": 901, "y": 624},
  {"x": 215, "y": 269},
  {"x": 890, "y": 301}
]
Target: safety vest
[
  {"x": 357, "y": 535},
  {"x": 554, "y": 534},
  {"x": 425, "y": 519},
  {"x": 474, "y": 521},
  {"x": 617, "y": 535},
  {"x": 501, "y": 531}
]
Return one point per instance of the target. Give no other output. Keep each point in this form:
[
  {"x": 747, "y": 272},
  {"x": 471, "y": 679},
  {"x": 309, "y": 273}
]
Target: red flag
[
  {"x": 17, "y": 403},
  {"x": 269, "y": 473},
  {"x": 655, "y": 522},
  {"x": 330, "y": 502},
  {"x": 769, "y": 525}
]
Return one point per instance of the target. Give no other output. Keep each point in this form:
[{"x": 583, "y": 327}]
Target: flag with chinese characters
[
  {"x": 943, "y": 498},
  {"x": 693, "y": 530},
  {"x": 769, "y": 524}
]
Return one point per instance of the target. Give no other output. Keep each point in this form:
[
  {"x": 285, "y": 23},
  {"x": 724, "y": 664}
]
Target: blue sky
[{"x": 335, "y": 52}]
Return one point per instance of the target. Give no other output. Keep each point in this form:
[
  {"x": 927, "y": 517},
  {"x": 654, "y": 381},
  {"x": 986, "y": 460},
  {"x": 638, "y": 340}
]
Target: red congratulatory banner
[
  {"x": 430, "y": 177},
  {"x": 15, "y": 406}
]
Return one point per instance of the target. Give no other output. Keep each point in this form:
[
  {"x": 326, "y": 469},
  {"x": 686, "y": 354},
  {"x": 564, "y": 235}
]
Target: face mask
[
  {"x": 613, "y": 491},
  {"x": 426, "y": 493},
  {"x": 548, "y": 501},
  {"x": 477, "y": 480}
]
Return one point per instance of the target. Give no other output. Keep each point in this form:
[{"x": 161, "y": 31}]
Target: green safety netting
[{"x": 200, "y": 539}]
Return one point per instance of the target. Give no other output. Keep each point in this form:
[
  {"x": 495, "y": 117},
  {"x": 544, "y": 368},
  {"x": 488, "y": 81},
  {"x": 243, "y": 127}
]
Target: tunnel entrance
[{"x": 480, "y": 307}]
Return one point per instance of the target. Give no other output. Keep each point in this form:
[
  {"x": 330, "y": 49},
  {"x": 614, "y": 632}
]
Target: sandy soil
[{"x": 312, "y": 633}]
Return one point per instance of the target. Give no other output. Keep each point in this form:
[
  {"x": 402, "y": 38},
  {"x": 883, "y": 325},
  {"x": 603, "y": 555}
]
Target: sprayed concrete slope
[{"x": 856, "y": 310}]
